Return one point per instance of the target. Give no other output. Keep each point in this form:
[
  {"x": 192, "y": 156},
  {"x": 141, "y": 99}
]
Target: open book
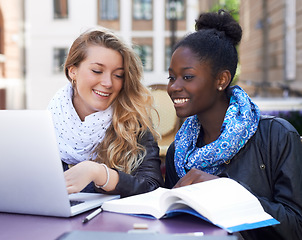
[{"x": 222, "y": 201}]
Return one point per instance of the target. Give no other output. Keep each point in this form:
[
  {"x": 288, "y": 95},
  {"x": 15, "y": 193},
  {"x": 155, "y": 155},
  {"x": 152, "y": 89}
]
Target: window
[
  {"x": 145, "y": 54},
  {"x": 59, "y": 59},
  {"x": 2, "y": 56},
  {"x": 175, "y": 9},
  {"x": 109, "y": 9},
  {"x": 60, "y": 9},
  {"x": 167, "y": 57},
  {"x": 142, "y": 9}
]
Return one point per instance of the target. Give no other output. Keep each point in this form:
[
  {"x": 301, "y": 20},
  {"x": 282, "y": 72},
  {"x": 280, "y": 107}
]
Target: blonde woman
[{"x": 102, "y": 119}]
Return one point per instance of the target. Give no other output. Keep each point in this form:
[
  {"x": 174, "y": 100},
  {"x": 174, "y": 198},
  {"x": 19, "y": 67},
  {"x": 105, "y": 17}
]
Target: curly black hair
[{"x": 215, "y": 41}]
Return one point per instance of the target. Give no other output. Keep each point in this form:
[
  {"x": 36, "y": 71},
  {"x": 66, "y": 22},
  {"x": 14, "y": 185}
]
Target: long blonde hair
[{"x": 132, "y": 107}]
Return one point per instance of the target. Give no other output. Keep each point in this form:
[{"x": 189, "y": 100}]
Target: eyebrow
[
  {"x": 97, "y": 63},
  {"x": 102, "y": 65},
  {"x": 184, "y": 68}
]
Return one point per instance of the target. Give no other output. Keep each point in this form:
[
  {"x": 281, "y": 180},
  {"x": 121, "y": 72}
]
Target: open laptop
[{"x": 31, "y": 172}]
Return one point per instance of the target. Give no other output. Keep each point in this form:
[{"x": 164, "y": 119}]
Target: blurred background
[{"x": 35, "y": 36}]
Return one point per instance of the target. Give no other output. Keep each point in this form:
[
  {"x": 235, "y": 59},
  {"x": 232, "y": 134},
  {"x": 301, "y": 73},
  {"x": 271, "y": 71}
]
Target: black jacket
[
  {"x": 270, "y": 167},
  {"x": 145, "y": 178}
]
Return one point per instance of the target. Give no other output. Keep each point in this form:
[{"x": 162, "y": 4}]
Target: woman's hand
[
  {"x": 194, "y": 176},
  {"x": 80, "y": 175}
]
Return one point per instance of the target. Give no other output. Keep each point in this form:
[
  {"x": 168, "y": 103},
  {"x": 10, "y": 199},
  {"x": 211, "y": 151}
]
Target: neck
[
  {"x": 78, "y": 106},
  {"x": 211, "y": 123}
]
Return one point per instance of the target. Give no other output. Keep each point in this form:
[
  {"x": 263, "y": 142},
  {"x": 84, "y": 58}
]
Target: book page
[
  {"x": 146, "y": 203},
  {"x": 223, "y": 201}
]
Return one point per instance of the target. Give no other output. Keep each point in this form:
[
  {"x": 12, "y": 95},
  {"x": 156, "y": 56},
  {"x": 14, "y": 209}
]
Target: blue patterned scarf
[{"x": 239, "y": 125}]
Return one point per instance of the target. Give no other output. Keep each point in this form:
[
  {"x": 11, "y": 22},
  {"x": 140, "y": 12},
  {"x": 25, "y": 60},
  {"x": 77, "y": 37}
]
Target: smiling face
[
  {"x": 192, "y": 87},
  {"x": 98, "y": 80}
]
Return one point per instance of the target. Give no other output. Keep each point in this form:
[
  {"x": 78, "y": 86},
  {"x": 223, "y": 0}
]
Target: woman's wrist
[{"x": 107, "y": 176}]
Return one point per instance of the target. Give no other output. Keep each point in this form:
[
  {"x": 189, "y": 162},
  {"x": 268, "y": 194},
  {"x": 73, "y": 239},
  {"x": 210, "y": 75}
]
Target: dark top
[
  {"x": 145, "y": 178},
  {"x": 270, "y": 167}
]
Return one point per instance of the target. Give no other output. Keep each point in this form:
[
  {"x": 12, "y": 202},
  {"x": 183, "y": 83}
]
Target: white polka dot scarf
[{"x": 76, "y": 139}]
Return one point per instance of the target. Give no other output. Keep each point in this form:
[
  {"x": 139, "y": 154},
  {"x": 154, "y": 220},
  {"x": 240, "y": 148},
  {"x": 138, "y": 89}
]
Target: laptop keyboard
[{"x": 73, "y": 202}]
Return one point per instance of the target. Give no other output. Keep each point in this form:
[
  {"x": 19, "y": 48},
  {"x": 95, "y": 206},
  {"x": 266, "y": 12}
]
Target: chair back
[{"x": 168, "y": 123}]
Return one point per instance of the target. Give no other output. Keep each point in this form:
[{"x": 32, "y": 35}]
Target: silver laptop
[{"x": 31, "y": 172}]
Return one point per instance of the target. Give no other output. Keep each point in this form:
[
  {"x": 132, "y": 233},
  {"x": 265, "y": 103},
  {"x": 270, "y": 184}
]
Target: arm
[
  {"x": 270, "y": 167},
  {"x": 171, "y": 177},
  {"x": 285, "y": 204},
  {"x": 146, "y": 177},
  {"x": 80, "y": 175},
  {"x": 193, "y": 176},
  {"x": 278, "y": 185}
]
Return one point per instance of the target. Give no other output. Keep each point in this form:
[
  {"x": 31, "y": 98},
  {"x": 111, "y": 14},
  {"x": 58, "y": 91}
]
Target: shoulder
[
  {"x": 171, "y": 151},
  {"x": 64, "y": 94},
  {"x": 276, "y": 124},
  {"x": 147, "y": 140},
  {"x": 145, "y": 137},
  {"x": 275, "y": 133}
]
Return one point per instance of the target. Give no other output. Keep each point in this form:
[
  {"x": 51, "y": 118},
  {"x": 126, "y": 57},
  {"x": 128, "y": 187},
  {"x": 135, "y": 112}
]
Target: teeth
[
  {"x": 101, "y": 94},
  {"x": 180, "y": 100}
]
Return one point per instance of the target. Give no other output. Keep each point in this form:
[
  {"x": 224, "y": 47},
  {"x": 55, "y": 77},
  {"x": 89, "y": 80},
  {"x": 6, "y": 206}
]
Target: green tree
[{"x": 231, "y": 6}]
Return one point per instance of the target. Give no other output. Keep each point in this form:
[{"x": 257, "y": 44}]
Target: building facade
[
  {"x": 35, "y": 36},
  {"x": 12, "y": 54},
  {"x": 52, "y": 26},
  {"x": 271, "y": 48}
]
